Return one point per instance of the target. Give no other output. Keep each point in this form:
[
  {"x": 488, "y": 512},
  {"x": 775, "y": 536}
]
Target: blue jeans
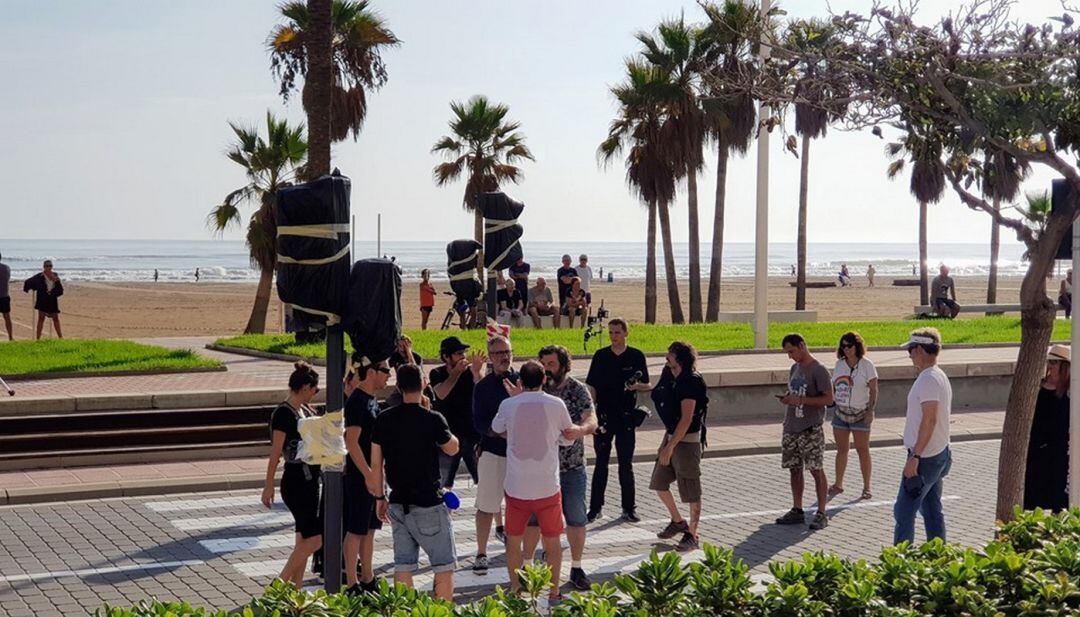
[
  {"x": 922, "y": 493},
  {"x": 572, "y": 485}
]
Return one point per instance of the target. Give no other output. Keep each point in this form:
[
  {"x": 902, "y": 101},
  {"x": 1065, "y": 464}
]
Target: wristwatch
[
  {"x": 916, "y": 456},
  {"x": 379, "y": 497}
]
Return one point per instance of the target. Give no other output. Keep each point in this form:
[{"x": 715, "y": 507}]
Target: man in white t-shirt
[
  {"x": 534, "y": 423},
  {"x": 584, "y": 272},
  {"x": 926, "y": 437}
]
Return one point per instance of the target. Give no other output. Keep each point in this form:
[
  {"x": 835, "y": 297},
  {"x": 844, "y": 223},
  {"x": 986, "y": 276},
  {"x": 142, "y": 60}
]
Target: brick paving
[{"x": 219, "y": 549}]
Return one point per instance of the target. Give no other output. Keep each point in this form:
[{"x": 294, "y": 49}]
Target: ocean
[{"x": 227, "y": 260}]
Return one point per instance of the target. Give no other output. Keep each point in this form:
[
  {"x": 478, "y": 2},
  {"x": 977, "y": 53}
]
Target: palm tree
[
  {"x": 680, "y": 52},
  {"x": 484, "y": 146},
  {"x": 358, "y": 37},
  {"x": 730, "y": 116},
  {"x": 919, "y": 147},
  {"x": 814, "y": 93},
  {"x": 1001, "y": 178},
  {"x": 650, "y": 171},
  {"x": 269, "y": 165}
]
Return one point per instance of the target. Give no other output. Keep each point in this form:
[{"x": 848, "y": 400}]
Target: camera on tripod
[{"x": 595, "y": 324}]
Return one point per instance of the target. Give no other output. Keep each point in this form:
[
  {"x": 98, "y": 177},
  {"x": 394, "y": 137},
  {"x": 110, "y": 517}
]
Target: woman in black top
[
  {"x": 47, "y": 289},
  {"x": 299, "y": 481},
  {"x": 1046, "y": 477}
]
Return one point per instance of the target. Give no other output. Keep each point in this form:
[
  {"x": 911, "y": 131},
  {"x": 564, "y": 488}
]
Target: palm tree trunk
[
  {"x": 650, "y": 267},
  {"x": 257, "y": 321},
  {"x": 318, "y": 84},
  {"x": 695, "y": 248},
  {"x": 478, "y": 235},
  {"x": 995, "y": 250},
  {"x": 669, "y": 266},
  {"x": 804, "y": 178},
  {"x": 924, "y": 283},
  {"x": 712, "y": 312}
]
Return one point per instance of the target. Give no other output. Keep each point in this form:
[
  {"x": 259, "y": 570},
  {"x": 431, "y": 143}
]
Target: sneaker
[
  {"x": 579, "y": 579},
  {"x": 355, "y": 590},
  {"x": 480, "y": 564},
  {"x": 687, "y": 543},
  {"x": 594, "y": 515},
  {"x": 630, "y": 516},
  {"x": 500, "y": 534},
  {"x": 794, "y": 516},
  {"x": 821, "y": 521},
  {"x": 372, "y": 587},
  {"x": 673, "y": 529}
]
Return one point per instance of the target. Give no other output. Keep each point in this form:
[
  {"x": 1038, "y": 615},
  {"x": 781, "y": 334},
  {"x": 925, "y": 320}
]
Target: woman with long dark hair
[
  {"x": 299, "y": 481},
  {"x": 1047, "y": 474},
  {"x": 855, "y": 392}
]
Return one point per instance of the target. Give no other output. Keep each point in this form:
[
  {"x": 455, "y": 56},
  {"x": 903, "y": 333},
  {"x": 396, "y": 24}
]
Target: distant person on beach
[
  {"x": 427, "y": 297},
  {"x": 940, "y": 288},
  {"x": 47, "y": 289},
  {"x": 1064, "y": 294},
  {"x": 196, "y": 275},
  {"x": 541, "y": 304},
  {"x": 803, "y": 446},
  {"x": 1046, "y": 479},
  {"x": 5, "y": 298},
  {"x": 792, "y": 269},
  {"x": 519, "y": 271},
  {"x": 870, "y": 272},
  {"x": 511, "y": 304},
  {"x": 577, "y": 302},
  {"x": 584, "y": 273},
  {"x": 913, "y": 272},
  {"x": 845, "y": 277},
  {"x": 565, "y": 275},
  {"x": 926, "y": 437},
  {"x": 855, "y": 392},
  {"x": 299, "y": 481},
  {"x": 155, "y": 275}
]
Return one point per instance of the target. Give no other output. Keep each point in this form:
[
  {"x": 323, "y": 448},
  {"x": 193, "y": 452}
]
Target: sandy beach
[{"x": 133, "y": 310}]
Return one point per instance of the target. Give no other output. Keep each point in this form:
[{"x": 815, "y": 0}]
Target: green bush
[{"x": 1031, "y": 569}]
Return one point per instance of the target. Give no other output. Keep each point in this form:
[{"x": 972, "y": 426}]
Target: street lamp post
[{"x": 761, "y": 236}]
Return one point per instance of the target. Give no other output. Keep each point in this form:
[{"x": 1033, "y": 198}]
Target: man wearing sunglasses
[{"x": 360, "y": 517}]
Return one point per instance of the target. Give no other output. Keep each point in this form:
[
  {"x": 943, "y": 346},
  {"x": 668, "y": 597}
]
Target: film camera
[{"x": 595, "y": 324}]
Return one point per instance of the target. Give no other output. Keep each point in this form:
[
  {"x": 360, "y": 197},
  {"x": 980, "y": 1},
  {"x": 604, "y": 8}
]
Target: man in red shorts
[{"x": 534, "y": 423}]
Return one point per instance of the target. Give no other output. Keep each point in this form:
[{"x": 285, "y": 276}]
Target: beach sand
[{"x": 136, "y": 310}]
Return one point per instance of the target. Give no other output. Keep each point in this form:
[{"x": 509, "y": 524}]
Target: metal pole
[
  {"x": 378, "y": 235},
  {"x": 1074, "y": 396},
  {"x": 761, "y": 236},
  {"x": 352, "y": 239},
  {"x": 333, "y": 485}
]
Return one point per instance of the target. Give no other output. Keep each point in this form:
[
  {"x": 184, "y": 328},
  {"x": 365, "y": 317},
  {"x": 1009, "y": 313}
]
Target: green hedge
[{"x": 1033, "y": 568}]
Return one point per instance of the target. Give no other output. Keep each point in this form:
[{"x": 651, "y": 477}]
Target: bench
[
  {"x": 814, "y": 284},
  {"x": 926, "y": 311},
  {"x": 547, "y": 322},
  {"x": 775, "y": 316}
]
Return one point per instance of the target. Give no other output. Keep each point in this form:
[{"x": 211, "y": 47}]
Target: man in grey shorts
[
  {"x": 408, "y": 438},
  {"x": 5, "y": 297}
]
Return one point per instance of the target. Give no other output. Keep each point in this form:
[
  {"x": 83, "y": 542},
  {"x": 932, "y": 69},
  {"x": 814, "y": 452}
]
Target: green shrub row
[{"x": 1031, "y": 569}]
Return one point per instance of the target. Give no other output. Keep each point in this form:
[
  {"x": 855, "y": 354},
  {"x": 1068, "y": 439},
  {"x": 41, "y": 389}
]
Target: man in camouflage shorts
[{"x": 803, "y": 446}]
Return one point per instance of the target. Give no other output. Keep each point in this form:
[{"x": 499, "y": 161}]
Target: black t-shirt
[
  {"x": 396, "y": 360},
  {"x": 409, "y": 436},
  {"x": 671, "y": 392},
  {"x": 487, "y": 396},
  {"x": 564, "y": 288},
  {"x": 286, "y": 420},
  {"x": 360, "y": 410},
  {"x": 608, "y": 374},
  {"x": 520, "y": 273},
  {"x": 457, "y": 406},
  {"x": 513, "y": 301}
]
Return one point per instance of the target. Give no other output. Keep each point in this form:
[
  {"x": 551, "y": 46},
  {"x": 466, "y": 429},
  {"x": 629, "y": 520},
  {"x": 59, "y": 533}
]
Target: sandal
[
  {"x": 866, "y": 494},
  {"x": 835, "y": 490}
]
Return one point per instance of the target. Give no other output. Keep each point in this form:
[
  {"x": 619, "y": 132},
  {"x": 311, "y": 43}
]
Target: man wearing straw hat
[{"x": 926, "y": 437}]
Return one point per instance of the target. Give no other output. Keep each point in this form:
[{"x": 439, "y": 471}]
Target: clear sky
[{"x": 114, "y": 113}]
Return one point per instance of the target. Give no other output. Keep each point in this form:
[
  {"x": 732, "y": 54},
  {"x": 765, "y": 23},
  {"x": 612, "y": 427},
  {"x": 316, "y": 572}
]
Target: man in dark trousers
[
  {"x": 452, "y": 385},
  {"x": 616, "y": 374}
]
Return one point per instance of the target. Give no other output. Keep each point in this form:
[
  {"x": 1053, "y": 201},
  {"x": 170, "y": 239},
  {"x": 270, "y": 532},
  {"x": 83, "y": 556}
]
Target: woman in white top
[{"x": 855, "y": 390}]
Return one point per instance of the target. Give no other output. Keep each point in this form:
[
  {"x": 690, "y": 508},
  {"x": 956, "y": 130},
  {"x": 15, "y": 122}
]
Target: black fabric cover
[
  {"x": 467, "y": 289},
  {"x": 373, "y": 314},
  {"x": 317, "y": 287},
  {"x": 498, "y": 208}
]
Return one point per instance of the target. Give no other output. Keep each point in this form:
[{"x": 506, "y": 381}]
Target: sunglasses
[
  {"x": 382, "y": 369},
  {"x": 846, "y": 345}
]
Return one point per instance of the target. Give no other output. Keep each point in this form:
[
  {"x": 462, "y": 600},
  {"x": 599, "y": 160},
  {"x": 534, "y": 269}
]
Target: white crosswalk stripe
[{"x": 184, "y": 505}]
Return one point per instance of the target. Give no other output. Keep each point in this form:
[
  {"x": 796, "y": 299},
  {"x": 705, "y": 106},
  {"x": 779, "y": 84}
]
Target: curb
[
  {"x": 78, "y": 375},
  {"x": 170, "y": 486}
]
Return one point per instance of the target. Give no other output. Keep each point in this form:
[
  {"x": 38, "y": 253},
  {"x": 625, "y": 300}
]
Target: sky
[{"x": 114, "y": 121}]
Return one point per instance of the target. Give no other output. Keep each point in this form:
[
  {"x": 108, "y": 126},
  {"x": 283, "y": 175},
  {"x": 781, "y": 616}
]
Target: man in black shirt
[
  {"x": 360, "y": 521},
  {"x": 565, "y": 276},
  {"x": 408, "y": 439},
  {"x": 616, "y": 374},
  {"x": 452, "y": 385}
]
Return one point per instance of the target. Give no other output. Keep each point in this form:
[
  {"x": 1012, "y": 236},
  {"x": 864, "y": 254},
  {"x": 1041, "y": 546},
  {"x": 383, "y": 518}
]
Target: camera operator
[{"x": 616, "y": 374}]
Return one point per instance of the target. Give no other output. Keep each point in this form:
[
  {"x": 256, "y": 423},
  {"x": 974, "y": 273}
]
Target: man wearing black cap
[{"x": 452, "y": 384}]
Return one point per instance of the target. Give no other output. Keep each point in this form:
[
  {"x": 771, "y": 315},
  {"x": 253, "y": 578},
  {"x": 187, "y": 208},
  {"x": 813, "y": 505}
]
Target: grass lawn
[
  {"x": 711, "y": 337},
  {"x": 91, "y": 355}
]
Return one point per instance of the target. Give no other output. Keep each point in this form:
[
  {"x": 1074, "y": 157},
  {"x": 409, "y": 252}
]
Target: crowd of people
[
  {"x": 47, "y": 289},
  {"x": 520, "y": 433}
]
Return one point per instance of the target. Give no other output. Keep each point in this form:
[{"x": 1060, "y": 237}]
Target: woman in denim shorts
[{"x": 855, "y": 390}]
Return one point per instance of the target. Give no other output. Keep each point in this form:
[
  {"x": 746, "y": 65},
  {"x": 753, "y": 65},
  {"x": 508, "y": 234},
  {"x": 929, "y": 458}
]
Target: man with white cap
[{"x": 926, "y": 437}]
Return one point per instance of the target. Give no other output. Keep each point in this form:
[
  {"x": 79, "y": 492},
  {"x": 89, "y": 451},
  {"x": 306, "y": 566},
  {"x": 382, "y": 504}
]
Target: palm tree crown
[{"x": 359, "y": 37}]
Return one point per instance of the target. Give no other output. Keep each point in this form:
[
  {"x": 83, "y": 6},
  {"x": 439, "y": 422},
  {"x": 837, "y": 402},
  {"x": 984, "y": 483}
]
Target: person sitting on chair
[{"x": 541, "y": 303}]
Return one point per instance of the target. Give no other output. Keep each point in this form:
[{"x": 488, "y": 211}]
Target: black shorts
[
  {"x": 301, "y": 497},
  {"x": 5, "y": 304},
  {"x": 427, "y": 309},
  {"x": 360, "y": 517},
  {"x": 578, "y": 310}
]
